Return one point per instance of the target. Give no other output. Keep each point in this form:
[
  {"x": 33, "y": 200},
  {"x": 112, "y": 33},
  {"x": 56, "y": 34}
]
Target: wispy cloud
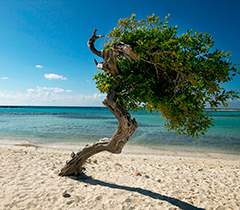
[
  {"x": 39, "y": 66},
  {"x": 54, "y": 89},
  {"x": 4, "y": 77},
  {"x": 54, "y": 76},
  {"x": 30, "y": 90},
  {"x": 50, "y": 96}
]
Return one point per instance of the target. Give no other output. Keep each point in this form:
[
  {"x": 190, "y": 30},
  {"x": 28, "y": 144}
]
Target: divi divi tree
[{"x": 147, "y": 65}]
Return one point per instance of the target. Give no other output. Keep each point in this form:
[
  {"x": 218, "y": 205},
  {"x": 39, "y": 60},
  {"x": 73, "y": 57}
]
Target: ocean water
[{"x": 81, "y": 125}]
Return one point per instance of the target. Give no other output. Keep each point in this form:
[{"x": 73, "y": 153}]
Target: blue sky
[{"x": 44, "y": 58}]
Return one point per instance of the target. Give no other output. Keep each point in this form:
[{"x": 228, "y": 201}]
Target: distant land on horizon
[
  {"x": 25, "y": 106},
  {"x": 222, "y": 109}
]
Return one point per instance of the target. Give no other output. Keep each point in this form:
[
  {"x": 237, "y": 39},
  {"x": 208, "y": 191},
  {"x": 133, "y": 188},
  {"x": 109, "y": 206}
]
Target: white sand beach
[{"x": 150, "y": 180}]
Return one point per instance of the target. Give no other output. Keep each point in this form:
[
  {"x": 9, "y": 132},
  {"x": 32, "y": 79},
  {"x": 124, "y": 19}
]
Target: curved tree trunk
[
  {"x": 125, "y": 129},
  {"x": 126, "y": 125}
]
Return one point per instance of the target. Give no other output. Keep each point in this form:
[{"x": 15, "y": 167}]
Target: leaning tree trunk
[{"x": 126, "y": 125}]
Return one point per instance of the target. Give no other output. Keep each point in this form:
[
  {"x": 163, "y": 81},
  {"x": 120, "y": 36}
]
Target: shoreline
[
  {"x": 129, "y": 149},
  {"x": 134, "y": 179}
]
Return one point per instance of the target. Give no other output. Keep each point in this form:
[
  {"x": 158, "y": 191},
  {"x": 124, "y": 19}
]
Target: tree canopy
[
  {"x": 176, "y": 75},
  {"x": 147, "y": 65}
]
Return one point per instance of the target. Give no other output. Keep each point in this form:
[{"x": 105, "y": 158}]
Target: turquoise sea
[{"x": 80, "y": 125}]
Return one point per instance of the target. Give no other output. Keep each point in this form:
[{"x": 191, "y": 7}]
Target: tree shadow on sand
[{"x": 173, "y": 201}]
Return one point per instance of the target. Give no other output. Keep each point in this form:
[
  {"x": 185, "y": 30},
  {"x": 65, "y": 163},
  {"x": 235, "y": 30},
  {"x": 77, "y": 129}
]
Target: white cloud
[
  {"x": 50, "y": 96},
  {"x": 54, "y": 76},
  {"x": 30, "y": 90},
  {"x": 54, "y": 89},
  {"x": 4, "y": 77},
  {"x": 57, "y": 90},
  {"x": 39, "y": 66},
  {"x": 97, "y": 95}
]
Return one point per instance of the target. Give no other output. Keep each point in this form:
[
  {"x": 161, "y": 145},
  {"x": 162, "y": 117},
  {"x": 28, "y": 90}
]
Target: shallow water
[{"x": 55, "y": 125}]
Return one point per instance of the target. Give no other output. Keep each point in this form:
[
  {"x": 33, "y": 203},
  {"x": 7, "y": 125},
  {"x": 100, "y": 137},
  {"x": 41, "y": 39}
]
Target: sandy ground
[{"x": 143, "y": 180}]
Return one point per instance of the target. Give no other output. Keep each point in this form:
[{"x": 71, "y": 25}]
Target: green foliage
[
  {"x": 89, "y": 161},
  {"x": 103, "y": 81},
  {"x": 83, "y": 170},
  {"x": 176, "y": 75}
]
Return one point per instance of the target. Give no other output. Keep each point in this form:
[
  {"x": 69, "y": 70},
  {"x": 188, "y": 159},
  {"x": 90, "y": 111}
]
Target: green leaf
[{"x": 177, "y": 75}]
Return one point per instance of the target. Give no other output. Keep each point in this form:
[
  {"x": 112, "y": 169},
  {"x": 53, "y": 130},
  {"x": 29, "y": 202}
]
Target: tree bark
[{"x": 126, "y": 125}]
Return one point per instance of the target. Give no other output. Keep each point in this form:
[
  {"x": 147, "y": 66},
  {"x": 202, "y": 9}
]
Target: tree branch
[
  {"x": 110, "y": 56},
  {"x": 126, "y": 127},
  {"x": 91, "y": 42}
]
